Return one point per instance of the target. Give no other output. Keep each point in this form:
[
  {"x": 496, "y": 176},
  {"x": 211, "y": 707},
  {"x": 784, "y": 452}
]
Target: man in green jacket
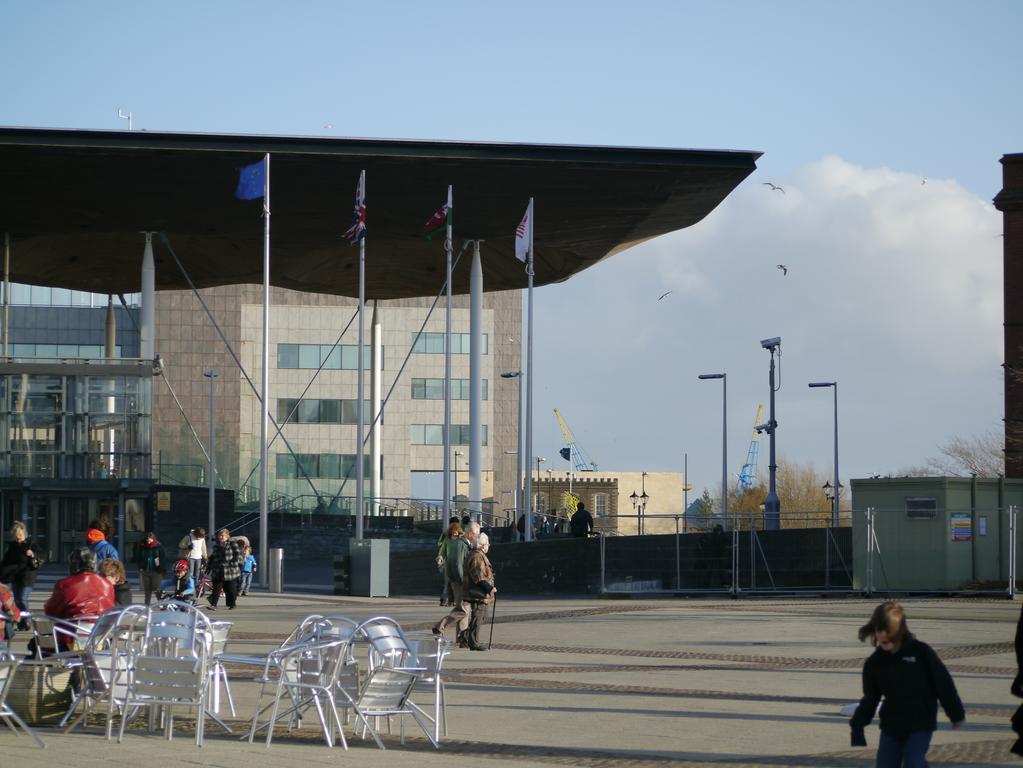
[{"x": 454, "y": 569}]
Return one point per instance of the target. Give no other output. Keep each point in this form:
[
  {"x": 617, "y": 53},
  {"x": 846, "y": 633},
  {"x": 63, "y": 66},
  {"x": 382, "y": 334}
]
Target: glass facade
[
  {"x": 322, "y": 411},
  {"x": 60, "y": 350},
  {"x": 433, "y": 343},
  {"x": 433, "y": 434},
  {"x": 43, "y": 296},
  {"x": 433, "y": 389},
  {"x": 74, "y": 422},
  {"x": 329, "y": 466},
  {"x": 342, "y": 357}
]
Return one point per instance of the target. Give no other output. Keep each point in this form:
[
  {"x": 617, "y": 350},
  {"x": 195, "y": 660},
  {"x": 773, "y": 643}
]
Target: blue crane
[{"x": 748, "y": 474}]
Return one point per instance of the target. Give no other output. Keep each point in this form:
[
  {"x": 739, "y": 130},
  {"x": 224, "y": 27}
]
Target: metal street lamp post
[
  {"x": 836, "y": 487},
  {"x": 212, "y": 376},
  {"x": 772, "y": 504},
  {"x": 454, "y": 497},
  {"x": 536, "y": 508},
  {"x": 517, "y": 375},
  {"x": 639, "y": 506},
  {"x": 724, "y": 442}
]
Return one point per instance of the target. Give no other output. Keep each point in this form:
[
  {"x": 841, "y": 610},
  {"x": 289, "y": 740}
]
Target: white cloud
[{"x": 894, "y": 289}]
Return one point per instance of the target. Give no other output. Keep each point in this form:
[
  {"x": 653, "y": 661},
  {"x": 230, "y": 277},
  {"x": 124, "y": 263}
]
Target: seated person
[
  {"x": 83, "y": 593},
  {"x": 181, "y": 586},
  {"x": 9, "y": 613},
  {"x": 113, "y": 570}
]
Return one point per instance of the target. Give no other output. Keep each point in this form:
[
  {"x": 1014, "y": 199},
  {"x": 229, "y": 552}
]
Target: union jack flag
[{"x": 357, "y": 231}]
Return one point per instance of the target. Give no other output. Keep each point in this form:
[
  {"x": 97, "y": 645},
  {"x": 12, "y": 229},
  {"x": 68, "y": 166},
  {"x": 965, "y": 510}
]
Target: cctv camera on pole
[{"x": 772, "y": 504}]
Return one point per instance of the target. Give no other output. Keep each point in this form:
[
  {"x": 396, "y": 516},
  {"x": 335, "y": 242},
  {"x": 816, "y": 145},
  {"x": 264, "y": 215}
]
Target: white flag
[{"x": 524, "y": 234}]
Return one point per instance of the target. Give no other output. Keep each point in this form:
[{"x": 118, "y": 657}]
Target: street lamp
[
  {"x": 772, "y": 504},
  {"x": 836, "y": 487},
  {"x": 517, "y": 375},
  {"x": 724, "y": 441},
  {"x": 212, "y": 375},
  {"x": 536, "y": 509},
  {"x": 639, "y": 506},
  {"x": 457, "y": 454}
]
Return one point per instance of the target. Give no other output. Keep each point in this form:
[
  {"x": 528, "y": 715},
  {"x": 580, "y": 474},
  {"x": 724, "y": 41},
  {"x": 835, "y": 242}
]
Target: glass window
[
  {"x": 418, "y": 389},
  {"x": 61, "y": 297},
  {"x": 67, "y": 350},
  {"x": 41, "y": 295},
  {"x": 435, "y": 389},
  {"x": 81, "y": 299},
  {"x": 23, "y": 350},
  {"x": 330, "y": 411},
  {"x": 94, "y": 350},
  {"x": 20, "y": 294},
  {"x": 46, "y": 350},
  {"x": 418, "y": 434},
  {"x": 600, "y": 504},
  {"x": 284, "y": 407},
  {"x": 331, "y": 357},
  {"x": 435, "y": 343},
  {"x": 349, "y": 360},
  {"x": 434, "y": 434},
  {"x": 285, "y": 467},
  {"x": 287, "y": 355},
  {"x": 309, "y": 412},
  {"x": 348, "y": 413},
  {"x": 308, "y": 355},
  {"x": 330, "y": 466}
]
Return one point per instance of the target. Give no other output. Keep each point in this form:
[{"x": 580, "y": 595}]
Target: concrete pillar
[
  {"x": 147, "y": 321},
  {"x": 377, "y": 433},
  {"x": 475, "y": 379}
]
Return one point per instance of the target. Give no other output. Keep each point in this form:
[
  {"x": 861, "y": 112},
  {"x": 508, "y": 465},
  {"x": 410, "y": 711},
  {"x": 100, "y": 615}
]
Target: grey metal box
[{"x": 370, "y": 564}]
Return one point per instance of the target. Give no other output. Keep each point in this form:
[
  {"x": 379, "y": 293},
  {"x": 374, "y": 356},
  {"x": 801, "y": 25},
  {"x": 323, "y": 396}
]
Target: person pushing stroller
[{"x": 180, "y": 586}]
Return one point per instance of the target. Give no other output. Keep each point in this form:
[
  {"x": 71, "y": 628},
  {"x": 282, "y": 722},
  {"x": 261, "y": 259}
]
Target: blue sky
[{"x": 853, "y": 104}]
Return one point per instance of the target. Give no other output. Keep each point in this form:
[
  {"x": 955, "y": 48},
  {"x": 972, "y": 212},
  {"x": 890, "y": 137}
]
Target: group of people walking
[
  {"x": 469, "y": 586},
  {"x": 98, "y": 580}
]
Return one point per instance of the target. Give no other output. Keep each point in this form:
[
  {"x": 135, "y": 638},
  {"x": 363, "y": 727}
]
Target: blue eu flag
[{"x": 251, "y": 182}]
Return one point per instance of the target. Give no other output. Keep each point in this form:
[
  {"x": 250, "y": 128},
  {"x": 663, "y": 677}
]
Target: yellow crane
[{"x": 573, "y": 452}]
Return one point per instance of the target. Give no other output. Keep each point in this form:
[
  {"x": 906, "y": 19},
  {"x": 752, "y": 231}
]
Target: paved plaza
[{"x": 635, "y": 683}]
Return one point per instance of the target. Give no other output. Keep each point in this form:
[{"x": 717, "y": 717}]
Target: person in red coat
[{"x": 84, "y": 592}]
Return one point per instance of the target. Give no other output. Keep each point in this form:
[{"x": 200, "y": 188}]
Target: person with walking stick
[{"x": 482, "y": 591}]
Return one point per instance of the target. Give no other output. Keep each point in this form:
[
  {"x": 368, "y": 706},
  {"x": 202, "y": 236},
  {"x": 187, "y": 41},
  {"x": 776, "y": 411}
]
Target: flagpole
[
  {"x": 264, "y": 474},
  {"x": 448, "y": 245},
  {"x": 360, "y": 419},
  {"x": 528, "y": 530}
]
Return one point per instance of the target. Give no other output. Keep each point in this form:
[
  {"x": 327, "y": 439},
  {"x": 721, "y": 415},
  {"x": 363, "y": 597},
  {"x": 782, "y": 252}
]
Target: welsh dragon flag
[{"x": 440, "y": 220}]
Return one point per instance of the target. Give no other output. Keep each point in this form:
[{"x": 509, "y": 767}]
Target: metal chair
[
  {"x": 385, "y": 694},
  {"x": 8, "y": 666},
  {"x": 60, "y": 638},
  {"x": 308, "y": 673},
  {"x": 218, "y": 673},
  {"x": 431, "y": 651},
  {"x": 171, "y": 669},
  {"x": 390, "y": 649},
  {"x": 105, "y": 661}
]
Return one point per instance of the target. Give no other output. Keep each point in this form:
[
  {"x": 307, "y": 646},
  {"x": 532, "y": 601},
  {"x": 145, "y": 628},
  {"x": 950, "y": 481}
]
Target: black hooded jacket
[{"x": 912, "y": 681}]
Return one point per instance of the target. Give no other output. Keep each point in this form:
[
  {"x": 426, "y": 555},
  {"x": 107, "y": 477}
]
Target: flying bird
[
  {"x": 663, "y": 295},
  {"x": 923, "y": 181},
  {"x": 784, "y": 269},
  {"x": 774, "y": 187}
]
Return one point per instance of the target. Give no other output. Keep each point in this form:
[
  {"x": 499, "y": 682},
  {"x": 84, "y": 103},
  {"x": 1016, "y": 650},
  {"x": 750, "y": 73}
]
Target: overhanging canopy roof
[{"x": 74, "y": 203}]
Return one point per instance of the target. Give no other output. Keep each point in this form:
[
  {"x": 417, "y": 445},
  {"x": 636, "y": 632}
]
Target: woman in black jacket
[
  {"x": 19, "y": 567},
  {"x": 912, "y": 680}
]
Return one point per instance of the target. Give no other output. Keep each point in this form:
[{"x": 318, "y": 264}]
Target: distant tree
[
  {"x": 982, "y": 455},
  {"x": 800, "y": 490},
  {"x": 700, "y": 512}
]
